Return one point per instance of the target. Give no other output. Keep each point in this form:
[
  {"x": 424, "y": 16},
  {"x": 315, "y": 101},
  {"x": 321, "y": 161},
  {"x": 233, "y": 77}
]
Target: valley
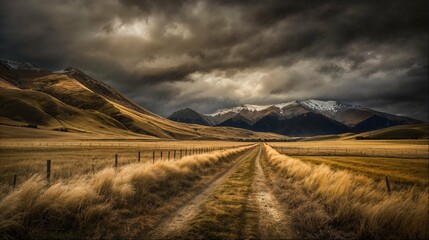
[
  {"x": 216, "y": 189},
  {"x": 80, "y": 160},
  {"x": 214, "y": 120}
]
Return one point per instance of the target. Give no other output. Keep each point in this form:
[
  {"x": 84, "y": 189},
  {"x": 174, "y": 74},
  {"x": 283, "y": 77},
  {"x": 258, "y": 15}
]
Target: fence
[
  {"x": 358, "y": 152},
  {"x": 63, "y": 170}
]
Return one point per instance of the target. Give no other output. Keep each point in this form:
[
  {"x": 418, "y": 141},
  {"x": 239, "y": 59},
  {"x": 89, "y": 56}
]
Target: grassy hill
[
  {"x": 418, "y": 131},
  {"x": 415, "y": 131},
  {"x": 74, "y": 102}
]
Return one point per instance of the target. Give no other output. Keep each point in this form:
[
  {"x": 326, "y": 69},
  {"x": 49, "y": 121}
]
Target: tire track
[
  {"x": 270, "y": 221},
  {"x": 178, "y": 221},
  {"x": 273, "y": 224}
]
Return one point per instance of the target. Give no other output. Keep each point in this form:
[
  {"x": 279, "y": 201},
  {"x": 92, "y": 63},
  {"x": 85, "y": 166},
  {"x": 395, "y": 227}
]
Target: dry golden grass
[
  {"x": 83, "y": 204},
  {"x": 401, "y": 170},
  {"x": 72, "y": 158},
  {"x": 373, "y": 148},
  {"x": 403, "y": 161},
  {"x": 355, "y": 203}
]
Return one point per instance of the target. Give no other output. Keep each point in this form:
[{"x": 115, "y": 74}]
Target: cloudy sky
[{"x": 206, "y": 55}]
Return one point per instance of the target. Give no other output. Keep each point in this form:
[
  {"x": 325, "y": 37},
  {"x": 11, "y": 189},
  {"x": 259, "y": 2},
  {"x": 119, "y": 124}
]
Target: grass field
[
  {"x": 363, "y": 148},
  {"x": 400, "y": 170},
  {"x": 88, "y": 203},
  {"x": 402, "y": 161},
  {"x": 70, "y": 158},
  {"x": 348, "y": 203},
  {"x": 214, "y": 189}
]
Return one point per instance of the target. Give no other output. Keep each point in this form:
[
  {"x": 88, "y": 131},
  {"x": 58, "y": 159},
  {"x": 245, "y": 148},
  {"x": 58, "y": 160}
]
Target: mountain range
[
  {"x": 36, "y": 102},
  {"x": 297, "y": 118}
]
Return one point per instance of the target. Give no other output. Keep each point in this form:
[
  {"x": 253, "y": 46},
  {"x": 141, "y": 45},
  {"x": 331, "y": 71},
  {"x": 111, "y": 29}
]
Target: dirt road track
[
  {"x": 177, "y": 222},
  {"x": 272, "y": 222}
]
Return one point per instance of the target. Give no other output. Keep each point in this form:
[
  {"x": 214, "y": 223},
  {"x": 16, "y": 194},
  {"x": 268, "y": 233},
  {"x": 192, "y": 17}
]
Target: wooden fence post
[
  {"x": 153, "y": 156},
  {"x": 116, "y": 162},
  {"x": 161, "y": 156},
  {"x": 138, "y": 157},
  {"x": 387, "y": 185},
  {"x": 168, "y": 154},
  {"x": 14, "y": 180},
  {"x": 174, "y": 154},
  {"x": 48, "y": 171}
]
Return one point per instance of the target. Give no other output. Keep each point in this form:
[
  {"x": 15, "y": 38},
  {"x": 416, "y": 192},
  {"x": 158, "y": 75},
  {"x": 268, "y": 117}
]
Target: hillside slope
[
  {"x": 71, "y": 101},
  {"x": 417, "y": 131},
  {"x": 414, "y": 131}
]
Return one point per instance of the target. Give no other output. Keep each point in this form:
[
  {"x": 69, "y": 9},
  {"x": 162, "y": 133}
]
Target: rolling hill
[
  {"x": 414, "y": 131},
  {"x": 304, "y": 118},
  {"x": 70, "y": 101}
]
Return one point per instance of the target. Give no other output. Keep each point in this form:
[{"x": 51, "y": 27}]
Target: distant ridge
[
  {"x": 188, "y": 115},
  {"x": 304, "y": 118}
]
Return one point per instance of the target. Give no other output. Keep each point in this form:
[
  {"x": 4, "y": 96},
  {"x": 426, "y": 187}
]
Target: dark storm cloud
[{"x": 205, "y": 54}]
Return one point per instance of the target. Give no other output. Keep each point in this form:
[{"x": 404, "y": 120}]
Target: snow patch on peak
[
  {"x": 282, "y": 105},
  {"x": 248, "y": 107},
  {"x": 325, "y": 106},
  {"x": 321, "y": 105},
  {"x": 255, "y": 107},
  {"x": 312, "y": 104}
]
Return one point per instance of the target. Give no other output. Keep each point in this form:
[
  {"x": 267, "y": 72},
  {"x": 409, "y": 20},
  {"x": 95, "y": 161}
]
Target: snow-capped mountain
[
  {"x": 312, "y": 104},
  {"x": 327, "y": 106},
  {"x": 302, "y": 118},
  {"x": 245, "y": 107}
]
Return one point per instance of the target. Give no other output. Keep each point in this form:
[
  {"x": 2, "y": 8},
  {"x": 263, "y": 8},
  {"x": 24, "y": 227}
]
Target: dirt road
[
  {"x": 273, "y": 224},
  {"x": 239, "y": 204},
  {"x": 177, "y": 222}
]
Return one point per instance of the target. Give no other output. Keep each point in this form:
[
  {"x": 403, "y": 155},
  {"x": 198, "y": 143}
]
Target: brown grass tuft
[
  {"x": 358, "y": 203},
  {"x": 86, "y": 201}
]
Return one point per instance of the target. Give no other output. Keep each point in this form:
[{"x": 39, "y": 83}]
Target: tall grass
[
  {"x": 356, "y": 202},
  {"x": 76, "y": 158},
  {"x": 90, "y": 200}
]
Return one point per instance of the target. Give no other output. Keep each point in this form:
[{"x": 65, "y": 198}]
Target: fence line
[
  {"x": 360, "y": 152},
  {"x": 50, "y": 175}
]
